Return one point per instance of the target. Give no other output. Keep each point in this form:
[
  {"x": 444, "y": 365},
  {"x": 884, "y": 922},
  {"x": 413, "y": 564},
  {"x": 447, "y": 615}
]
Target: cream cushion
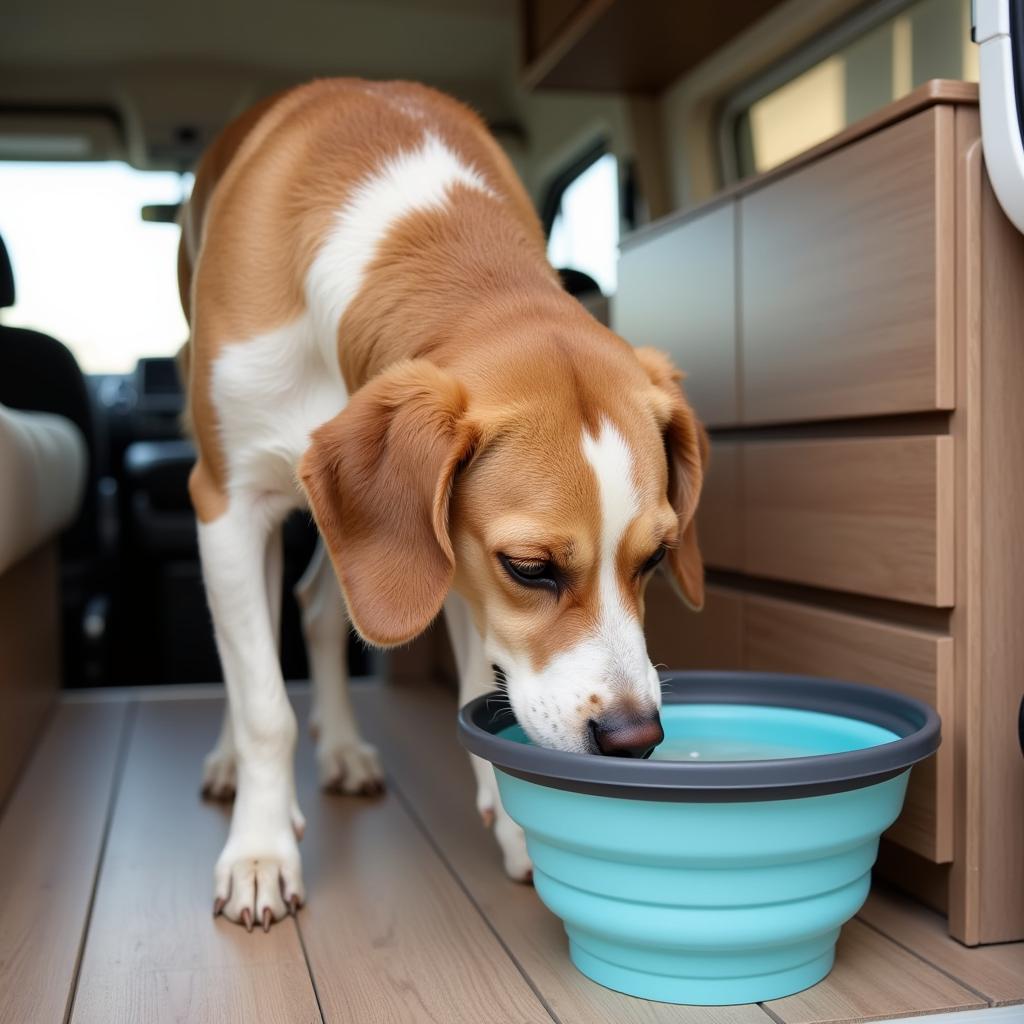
[{"x": 42, "y": 473}]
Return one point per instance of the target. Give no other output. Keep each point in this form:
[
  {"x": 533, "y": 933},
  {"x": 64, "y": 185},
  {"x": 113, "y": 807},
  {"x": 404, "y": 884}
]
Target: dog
[{"x": 376, "y": 334}]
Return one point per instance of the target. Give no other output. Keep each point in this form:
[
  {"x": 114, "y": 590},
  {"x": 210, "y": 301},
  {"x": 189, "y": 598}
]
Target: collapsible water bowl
[{"x": 722, "y": 869}]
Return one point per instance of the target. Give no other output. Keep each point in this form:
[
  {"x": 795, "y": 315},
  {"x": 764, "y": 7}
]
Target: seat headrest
[{"x": 6, "y": 278}]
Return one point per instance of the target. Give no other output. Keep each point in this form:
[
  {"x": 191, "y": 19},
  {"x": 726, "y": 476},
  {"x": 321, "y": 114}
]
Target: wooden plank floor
[{"x": 106, "y": 858}]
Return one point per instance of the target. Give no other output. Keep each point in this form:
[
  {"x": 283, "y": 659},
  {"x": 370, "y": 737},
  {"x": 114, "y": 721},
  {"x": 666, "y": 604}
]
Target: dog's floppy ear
[
  {"x": 379, "y": 478},
  {"x": 686, "y": 445}
]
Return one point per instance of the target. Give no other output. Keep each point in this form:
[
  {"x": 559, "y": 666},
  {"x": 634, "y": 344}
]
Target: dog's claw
[
  {"x": 267, "y": 919},
  {"x": 294, "y": 902},
  {"x": 487, "y": 817},
  {"x": 247, "y": 919},
  {"x": 218, "y": 905}
]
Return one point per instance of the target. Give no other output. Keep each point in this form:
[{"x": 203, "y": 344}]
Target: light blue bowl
[{"x": 705, "y": 880}]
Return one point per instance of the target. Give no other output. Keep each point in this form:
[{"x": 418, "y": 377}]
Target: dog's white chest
[{"x": 271, "y": 392}]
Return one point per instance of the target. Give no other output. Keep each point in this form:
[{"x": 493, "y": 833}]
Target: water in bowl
[
  {"x": 747, "y": 732},
  {"x": 751, "y": 732},
  {"x": 723, "y": 748}
]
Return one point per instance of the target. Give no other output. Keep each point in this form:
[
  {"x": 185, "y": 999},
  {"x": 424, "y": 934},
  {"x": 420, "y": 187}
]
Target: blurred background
[{"x": 615, "y": 113}]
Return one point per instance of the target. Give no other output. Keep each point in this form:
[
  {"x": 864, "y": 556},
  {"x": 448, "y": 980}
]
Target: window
[
  {"x": 584, "y": 220},
  {"x": 882, "y": 54},
  {"x": 87, "y": 268}
]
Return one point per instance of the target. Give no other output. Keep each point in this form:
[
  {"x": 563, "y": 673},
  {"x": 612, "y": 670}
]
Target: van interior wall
[
  {"x": 689, "y": 108},
  {"x": 670, "y": 139}
]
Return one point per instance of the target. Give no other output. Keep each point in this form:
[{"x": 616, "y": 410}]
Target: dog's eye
[
  {"x": 536, "y": 573},
  {"x": 653, "y": 560}
]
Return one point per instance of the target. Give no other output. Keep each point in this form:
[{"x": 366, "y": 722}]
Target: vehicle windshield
[{"x": 88, "y": 269}]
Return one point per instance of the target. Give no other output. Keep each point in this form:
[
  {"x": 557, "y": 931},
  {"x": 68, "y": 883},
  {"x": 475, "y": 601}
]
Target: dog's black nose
[{"x": 627, "y": 735}]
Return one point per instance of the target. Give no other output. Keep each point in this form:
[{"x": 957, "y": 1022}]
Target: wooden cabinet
[
  {"x": 862, "y": 513},
  {"x": 869, "y": 516},
  {"x": 866, "y": 515},
  {"x": 847, "y": 296},
  {"x": 720, "y": 513},
  {"x": 677, "y": 293}
]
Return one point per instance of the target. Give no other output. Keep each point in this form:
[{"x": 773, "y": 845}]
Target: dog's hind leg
[
  {"x": 347, "y": 763},
  {"x": 220, "y": 767},
  {"x": 475, "y": 678}
]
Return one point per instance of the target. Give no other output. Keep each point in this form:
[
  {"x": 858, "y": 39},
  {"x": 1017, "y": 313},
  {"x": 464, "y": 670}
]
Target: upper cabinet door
[
  {"x": 677, "y": 292},
  {"x": 846, "y": 282}
]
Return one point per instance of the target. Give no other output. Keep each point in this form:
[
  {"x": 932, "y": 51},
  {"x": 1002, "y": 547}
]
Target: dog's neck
[{"x": 443, "y": 287}]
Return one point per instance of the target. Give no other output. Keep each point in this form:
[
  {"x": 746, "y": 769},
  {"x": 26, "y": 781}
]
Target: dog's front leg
[
  {"x": 220, "y": 766},
  {"x": 476, "y": 678},
  {"x": 258, "y": 873}
]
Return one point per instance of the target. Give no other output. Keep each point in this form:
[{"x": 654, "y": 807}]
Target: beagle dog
[{"x": 377, "y": 335}]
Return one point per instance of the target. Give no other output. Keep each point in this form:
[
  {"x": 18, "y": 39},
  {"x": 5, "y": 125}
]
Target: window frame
[
  {"x": 795, "y": 63},
  {"x": 79, "y": 344},
  {"x": 559, "y": 183}
]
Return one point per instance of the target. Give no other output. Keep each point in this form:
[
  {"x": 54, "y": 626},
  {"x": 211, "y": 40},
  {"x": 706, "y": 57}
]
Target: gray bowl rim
[{"x": 915, "y": 723}]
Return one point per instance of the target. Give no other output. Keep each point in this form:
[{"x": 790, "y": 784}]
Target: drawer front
[
  {"x": 782, "y": 636},
  {"x": 683, "y": 639},
  {"x": 720, "y": 512},
  {"x": 847, "y": 280},
  {"x": 677, "y": 292},
  {"x": 870, "y": 516}
]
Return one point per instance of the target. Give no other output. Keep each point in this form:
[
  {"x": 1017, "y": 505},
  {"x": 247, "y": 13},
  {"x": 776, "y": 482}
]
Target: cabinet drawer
[
  {"x": 720, "y": 512},
  {"x": 847, "y": 280},
  {"x": 683, "y": 639},
  {"x": 783, "y": 636},
  {"x": 677, "y": 292},
  {"x": 870, "y": 516}
]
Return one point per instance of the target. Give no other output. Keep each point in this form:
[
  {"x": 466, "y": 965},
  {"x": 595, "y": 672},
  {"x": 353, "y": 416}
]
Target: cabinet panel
[
  {"x": 720, "y": 513},
  {"x": 677, "y": 292},
  {"x": 847, "y": 280},
  {"x": 682, "y": 639},
  {"x": 870, "y": 516}
]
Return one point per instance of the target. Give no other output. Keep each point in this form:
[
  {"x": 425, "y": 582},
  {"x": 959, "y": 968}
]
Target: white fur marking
[
  {"x": 271, "y": 393},
  {"x": 417, "y": 180},
  {"x": 610, "y": 458},
  {"x": 612, "y": 662},
  {"x": 612, "y": 462}
]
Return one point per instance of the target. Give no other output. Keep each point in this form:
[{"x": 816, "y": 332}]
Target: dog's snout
[{"x": 626, "y": 735}]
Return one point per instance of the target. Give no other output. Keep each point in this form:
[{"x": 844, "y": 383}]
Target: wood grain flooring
[{"x": 106, "y": 856}]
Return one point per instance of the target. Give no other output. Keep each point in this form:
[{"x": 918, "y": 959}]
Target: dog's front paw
[
  {"x": 512, "y": 841},
  {"x": 219, "y": 773},
  {"x": 258, "y": 879},
  {"x": 351, "y": 766}
]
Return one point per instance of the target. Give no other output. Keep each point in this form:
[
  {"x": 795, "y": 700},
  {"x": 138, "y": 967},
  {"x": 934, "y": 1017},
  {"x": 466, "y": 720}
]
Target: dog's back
[{"x": 269, "y": 192}]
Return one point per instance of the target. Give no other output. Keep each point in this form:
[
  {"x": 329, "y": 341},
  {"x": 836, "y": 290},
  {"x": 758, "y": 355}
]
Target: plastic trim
[{"x": 916, "y": 724}]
